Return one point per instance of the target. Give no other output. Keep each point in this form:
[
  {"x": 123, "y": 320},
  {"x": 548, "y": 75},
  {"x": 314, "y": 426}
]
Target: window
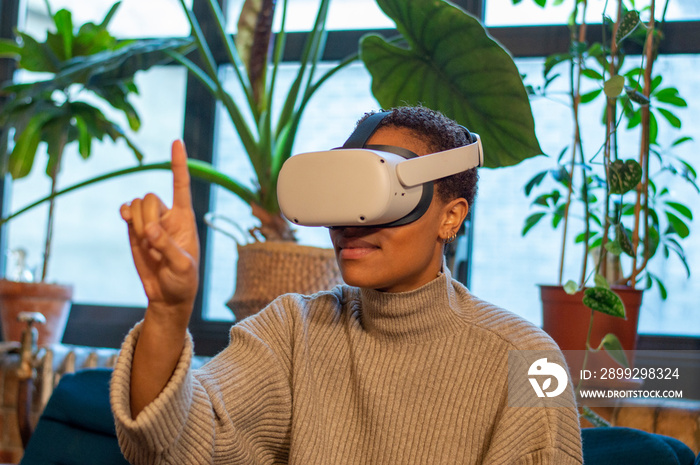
[
  {"x": 342, "y": 14},
  {"x": 90, "y": 237},
  {"x": 134, "y": 18},
  {"x": 504, "y": 13},
  {"x": 89, "y": 234},
  {"x": 500, "y": 251}
]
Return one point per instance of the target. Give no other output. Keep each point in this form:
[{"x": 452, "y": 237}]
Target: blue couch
[
  {"x": 76, "y": 427},
  {"x": 620, "y": 445}
]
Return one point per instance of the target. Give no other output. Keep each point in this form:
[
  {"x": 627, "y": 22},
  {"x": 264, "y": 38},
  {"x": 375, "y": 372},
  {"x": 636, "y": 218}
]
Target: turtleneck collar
[{"x": 429, "y": 312}]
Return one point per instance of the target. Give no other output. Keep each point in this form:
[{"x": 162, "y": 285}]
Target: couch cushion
[
  {"x": 622, "y": 446},
  {"x": 76, "y": 426}
]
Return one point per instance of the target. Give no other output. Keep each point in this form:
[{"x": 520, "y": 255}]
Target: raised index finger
[{"x": 181, "y": 176}]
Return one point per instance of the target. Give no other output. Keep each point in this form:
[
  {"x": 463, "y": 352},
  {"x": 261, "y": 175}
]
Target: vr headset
[{"x": 367, "y": 185}]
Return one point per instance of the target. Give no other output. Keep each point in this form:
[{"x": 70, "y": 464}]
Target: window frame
[{"x": 102, "y": 325}]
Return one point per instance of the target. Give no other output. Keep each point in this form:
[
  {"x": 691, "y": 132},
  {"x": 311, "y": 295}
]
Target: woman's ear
[{"x": 453, "y": 215}]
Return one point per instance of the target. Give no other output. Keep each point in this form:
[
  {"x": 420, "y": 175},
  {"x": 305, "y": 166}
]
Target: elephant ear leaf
[{"x": 449, "y": 63}]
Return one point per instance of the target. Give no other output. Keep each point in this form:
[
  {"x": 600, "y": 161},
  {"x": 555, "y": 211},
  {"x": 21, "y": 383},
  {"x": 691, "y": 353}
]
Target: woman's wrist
[{"x": 169, "y": 318}]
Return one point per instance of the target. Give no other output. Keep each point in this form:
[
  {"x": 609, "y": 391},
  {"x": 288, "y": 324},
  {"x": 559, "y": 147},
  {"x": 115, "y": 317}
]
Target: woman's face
[{"x": 401, "y": 258}]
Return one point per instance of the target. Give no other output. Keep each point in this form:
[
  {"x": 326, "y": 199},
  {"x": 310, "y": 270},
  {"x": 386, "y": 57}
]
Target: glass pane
[
  {"x": 135, "y": 18},
  {"x": 504, "y": 13},
  {"x": 499, "y": 250},
  {"x": 328, "y": 120},
  {"x": 342, "y": 14},
  {"x": 90, "y": 245},
  {"x": 522, "y": 263}
]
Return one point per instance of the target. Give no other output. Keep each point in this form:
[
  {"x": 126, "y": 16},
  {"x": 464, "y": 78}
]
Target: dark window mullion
[
  {"x": 199, "y": 124},
  {"x": 9, "y": 15},
  {"x": 199, "y": 135},
  {"x": 520, "y": 41}
]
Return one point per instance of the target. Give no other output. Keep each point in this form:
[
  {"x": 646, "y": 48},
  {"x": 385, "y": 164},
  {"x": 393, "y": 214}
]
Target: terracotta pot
[
  {"x": 566, "y": 319},
  {"x": 51, "y": 300},
  {"x": 266, "y": 270}
]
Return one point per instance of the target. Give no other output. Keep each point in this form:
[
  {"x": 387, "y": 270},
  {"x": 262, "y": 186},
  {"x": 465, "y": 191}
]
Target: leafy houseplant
[
  {"x": 53, "y": 111},
  {"x": 617, "y": 189}
]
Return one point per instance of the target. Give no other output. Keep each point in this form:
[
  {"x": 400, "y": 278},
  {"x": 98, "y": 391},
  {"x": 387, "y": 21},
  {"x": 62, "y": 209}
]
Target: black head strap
[{"x": 364, "y": 131}]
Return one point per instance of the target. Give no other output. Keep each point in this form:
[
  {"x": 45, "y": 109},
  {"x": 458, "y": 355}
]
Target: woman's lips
[{"x": 354, "y": 249}]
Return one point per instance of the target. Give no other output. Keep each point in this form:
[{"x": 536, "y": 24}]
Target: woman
[{"x": 400, "y": 365}]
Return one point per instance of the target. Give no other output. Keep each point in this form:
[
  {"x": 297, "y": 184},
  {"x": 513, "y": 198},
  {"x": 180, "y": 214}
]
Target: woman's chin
[{"x": 358, "y": 278}]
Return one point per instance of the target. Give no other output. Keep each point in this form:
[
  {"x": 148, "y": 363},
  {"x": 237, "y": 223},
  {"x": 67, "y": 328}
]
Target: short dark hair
[{"x": 439, "y": 133}]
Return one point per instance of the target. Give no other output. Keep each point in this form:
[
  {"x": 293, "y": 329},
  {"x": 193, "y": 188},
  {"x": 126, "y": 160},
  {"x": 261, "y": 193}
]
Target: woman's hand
[
  {"x": 164, "y": 243},
  {"x": 165, "y": 248}
]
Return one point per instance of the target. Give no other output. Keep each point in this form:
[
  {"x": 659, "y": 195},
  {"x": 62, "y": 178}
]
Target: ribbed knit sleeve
[
  {"x": 145, "y": 438},
  {"x": 529, "y": 434},
  {"x": 236, "y": 409}
]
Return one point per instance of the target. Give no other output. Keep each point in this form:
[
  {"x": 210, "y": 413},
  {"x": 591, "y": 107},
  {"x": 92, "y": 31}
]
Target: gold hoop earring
[{"x": 450, "y": 239}]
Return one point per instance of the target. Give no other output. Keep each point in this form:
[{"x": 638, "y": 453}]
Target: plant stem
[
  {"x": 643, "y": 187},
  {"x": 610, "y": 125},
  {"x": 587, "y": 221},
  {"x": 198, "y": 169},
  {"x": 54, "y": 170},
  {"x": 588, "y": 348},
  {"x": 49, "y": 230},
  {"x": 579, "y": 143},
  {"x": 52, "y": 205},
  {"x": 575, "y": 95}
]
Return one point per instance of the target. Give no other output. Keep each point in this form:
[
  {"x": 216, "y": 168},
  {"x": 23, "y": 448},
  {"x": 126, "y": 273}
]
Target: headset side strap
[{"x": 441, "y": 164}]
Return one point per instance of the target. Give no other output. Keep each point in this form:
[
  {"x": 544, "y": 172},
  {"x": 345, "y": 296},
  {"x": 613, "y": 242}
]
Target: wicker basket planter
[{"x": 266, "y": 270}]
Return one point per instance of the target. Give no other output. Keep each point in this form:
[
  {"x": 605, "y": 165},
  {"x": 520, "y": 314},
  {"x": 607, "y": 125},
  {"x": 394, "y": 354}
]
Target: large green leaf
[
  {"x": 9, "y": 48},
  {"x": 92, "y": 37},
  {"x": 37, "y": 57},
  {"x": 604, "y": 300},
  {"x": 614, "y": 348},
  {"x": 623, "y": 176},
  {"x": 452, "y": 65},
  {"x": 629, "y": 23},
  {"x": 624, "y": 240},
  {"x": 115, "y": 65},
  {"x": 24, "y": 151},
  {"x": 57, "y": 133},
  {"x": 62, "y": 43},
  {"x": 110, "y": 67}
]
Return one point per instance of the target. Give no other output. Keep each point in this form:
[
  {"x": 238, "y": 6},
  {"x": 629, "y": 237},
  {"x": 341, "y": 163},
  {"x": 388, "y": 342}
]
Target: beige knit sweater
[{"x": 353, "y": 376}]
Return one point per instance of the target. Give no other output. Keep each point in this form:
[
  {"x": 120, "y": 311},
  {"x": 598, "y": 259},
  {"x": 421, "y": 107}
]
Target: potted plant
[
  {"x": 612, "y": 182},
  {"x": 415, "y": 67},
  {"x": 53, "y": 112}
]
